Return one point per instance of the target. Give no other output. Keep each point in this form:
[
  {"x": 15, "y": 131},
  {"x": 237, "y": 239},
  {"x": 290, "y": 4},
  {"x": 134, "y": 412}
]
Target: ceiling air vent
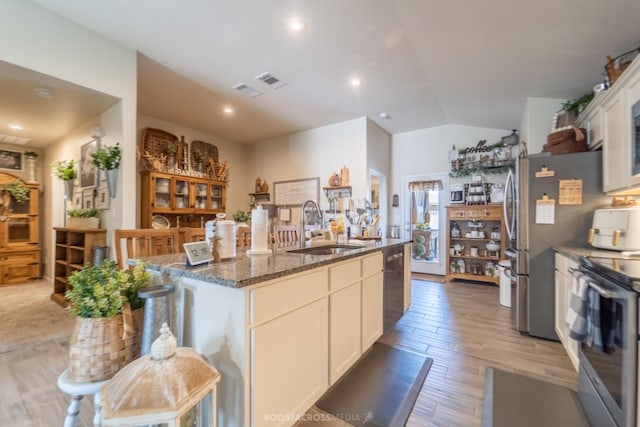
[
  {"x": 248, "y": 90},
  {"x": 270, "y": 80},
  {"x": 14, "y": 139}
]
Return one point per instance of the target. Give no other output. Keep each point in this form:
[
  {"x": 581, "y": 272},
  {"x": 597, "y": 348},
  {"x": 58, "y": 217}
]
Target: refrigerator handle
[{"x": 507, "y": 190}]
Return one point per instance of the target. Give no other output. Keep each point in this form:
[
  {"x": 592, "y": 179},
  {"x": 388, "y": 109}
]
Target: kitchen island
[{"x": 280, "y": 328}]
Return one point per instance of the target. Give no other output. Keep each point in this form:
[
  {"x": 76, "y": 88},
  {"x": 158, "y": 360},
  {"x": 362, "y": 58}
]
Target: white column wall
[{"x": 39, "y": 40}]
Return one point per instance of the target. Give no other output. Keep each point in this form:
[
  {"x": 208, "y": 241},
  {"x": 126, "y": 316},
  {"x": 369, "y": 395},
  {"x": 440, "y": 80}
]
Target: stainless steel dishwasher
[{"x": 393, "y": 285}]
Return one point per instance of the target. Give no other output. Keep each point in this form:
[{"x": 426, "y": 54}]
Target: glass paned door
[{"x": 425, "y": 215}]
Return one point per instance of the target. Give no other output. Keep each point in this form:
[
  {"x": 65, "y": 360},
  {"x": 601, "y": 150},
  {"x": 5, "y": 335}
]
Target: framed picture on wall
[
  {"x": 11, "y": 160},
  {"x": 102, "y": 197},
  {"x": 87, "y": 198},
  {"x": 77, "y": 200},
  {"x": 88, "y": 171}
]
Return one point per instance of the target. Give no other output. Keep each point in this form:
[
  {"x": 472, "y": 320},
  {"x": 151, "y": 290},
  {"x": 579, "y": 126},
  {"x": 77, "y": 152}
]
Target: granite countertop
[
  {"x": 574, "y": 253},
  {"x": 245, "y": 270}
]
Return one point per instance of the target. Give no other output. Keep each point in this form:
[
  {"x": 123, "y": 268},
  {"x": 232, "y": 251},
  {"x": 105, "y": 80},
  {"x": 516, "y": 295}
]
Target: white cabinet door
[
  {"x": 616, "y": 150},
  {"x": 289, "y": 364},
  {"x": 560, "y": 306},
  {"x": 372, "y": 318},
  {"x": 596, "y": 131},
  {"x": 344, "y": 330}
]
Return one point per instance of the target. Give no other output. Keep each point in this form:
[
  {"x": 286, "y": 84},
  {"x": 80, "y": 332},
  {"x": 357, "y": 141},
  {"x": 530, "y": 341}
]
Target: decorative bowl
[{"x": 493, "y": 246}]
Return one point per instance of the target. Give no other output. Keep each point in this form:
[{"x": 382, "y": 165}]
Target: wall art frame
[
  {"x": 89, "y": 173},
  {"x": 296, "y": 191},
  {"x": 11, "y": 160}
]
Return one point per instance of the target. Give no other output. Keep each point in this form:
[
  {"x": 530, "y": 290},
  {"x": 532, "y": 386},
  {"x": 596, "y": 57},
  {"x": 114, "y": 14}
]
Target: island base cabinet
[
  {"x": 289, "y": 367},
  {"x": 344, "y": 330},
  {"x": 372, "y": 310}
]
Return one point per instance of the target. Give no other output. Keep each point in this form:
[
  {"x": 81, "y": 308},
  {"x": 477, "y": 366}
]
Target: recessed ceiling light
[
  {"x": 355, "y": 82},
  {"x": 385, "y": 115},
  {"x": 16, "y": 126},
  {"x": 296, "y": 25},
  {"x": 228, "y": 110}
]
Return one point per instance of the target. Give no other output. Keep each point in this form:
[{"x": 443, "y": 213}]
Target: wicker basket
[
  {"x": 565, "y": 141},
  {"x": 97, "y": 349},
  {"x": 615, "y": 66}
]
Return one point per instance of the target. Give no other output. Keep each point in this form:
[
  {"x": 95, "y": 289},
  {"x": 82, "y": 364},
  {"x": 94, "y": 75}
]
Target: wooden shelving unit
[
  {"x": 480, "y": 218},
  {"x": 73, "y": 252}
]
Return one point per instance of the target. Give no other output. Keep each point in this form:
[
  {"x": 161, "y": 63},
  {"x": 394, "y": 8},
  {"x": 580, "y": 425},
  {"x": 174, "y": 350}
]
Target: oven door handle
[{"x": 604, "y": 292}]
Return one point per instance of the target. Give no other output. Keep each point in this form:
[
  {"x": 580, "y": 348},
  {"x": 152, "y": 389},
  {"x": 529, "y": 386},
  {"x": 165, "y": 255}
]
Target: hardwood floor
[
  {"x": 464, "y": 329},
  {"x": 459, "y": 324}
]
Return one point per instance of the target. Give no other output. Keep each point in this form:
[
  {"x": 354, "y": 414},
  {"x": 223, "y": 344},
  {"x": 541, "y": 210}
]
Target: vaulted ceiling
[{"x": 424, "y": 62}]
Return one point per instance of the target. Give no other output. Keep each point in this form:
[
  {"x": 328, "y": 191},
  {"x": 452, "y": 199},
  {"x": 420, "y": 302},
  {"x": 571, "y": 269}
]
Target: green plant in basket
[
  {"x": 96, "y": 291},
  {"x": 133, "y": 281},
  {"x": 84, "y": 213},
  {"x": 103, "y": 290}
]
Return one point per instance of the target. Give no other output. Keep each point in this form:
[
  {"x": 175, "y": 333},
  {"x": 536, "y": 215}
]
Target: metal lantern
[{"x": 168, "y": 387}]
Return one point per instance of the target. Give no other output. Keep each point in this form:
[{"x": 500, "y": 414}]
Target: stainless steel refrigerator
[{"x": 532, "y": 295}]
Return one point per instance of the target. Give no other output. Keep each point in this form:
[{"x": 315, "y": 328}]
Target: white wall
[
  {"x": 426, "y": 151},
  {"x": 42, "y": 41},
  {"x": 239, "y": 182},
  {"x": 379, "y": 159},
  {"x": 536, "y": 121},
  {"x": 313, "y": 153}
]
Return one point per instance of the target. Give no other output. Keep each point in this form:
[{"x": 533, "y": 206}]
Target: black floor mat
[
  {"x": 380, "y": 389},
  {"x": 517, "y": 400}
]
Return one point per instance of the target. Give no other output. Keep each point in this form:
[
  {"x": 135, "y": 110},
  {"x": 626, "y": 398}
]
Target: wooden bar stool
[{"x": 77, "y": 391}]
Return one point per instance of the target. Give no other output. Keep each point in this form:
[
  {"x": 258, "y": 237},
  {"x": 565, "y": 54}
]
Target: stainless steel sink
[{"x": 325, "y": 249}]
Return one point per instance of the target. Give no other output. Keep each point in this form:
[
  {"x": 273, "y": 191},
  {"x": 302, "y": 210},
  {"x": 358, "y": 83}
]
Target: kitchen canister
[
  {"x": 225, "y": 238},
  {"x": 259, "y": 232}
]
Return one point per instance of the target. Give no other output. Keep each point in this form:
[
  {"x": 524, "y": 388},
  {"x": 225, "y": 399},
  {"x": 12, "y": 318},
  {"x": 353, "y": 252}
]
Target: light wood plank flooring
[{"x": 459, "y": 324}]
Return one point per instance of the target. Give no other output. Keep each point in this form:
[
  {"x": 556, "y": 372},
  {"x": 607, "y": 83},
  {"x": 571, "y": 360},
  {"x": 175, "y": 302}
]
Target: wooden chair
[
  {"x": 188, "y": 235},
  {"x": 286, "y": 235},
  {"x": 144, "y": 242}
]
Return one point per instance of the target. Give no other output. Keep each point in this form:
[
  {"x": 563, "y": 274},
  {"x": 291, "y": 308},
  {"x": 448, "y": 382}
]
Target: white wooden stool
[{"x": 77, "y": 391}]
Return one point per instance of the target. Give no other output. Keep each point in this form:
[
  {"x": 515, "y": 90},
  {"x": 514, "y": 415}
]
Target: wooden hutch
[{"x": 19, "y": 240}]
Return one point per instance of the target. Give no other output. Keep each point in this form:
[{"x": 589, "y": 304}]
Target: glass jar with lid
[{"x": 455, "y": 230}]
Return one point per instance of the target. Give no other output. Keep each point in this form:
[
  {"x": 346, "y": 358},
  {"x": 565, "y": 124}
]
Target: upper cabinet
[
  {"x": 609, "y": 122},
  {"x": 180, "y": 200}
]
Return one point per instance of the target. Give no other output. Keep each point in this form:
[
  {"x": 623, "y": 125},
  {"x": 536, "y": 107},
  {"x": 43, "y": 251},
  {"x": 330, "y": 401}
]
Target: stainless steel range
[{"x": 609, "y": 373}]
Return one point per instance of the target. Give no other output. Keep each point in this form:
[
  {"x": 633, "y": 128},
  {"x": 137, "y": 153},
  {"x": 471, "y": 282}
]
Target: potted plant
[
  {"x": 170, "y": 150},
  {"x": 241, "y": 217},
  {"x": 101, "y": 298},
  {"x": 64, "y": 170},
  {"x": 12, "y": 190},
  {"x": 108, "y": 158},
  {"x": 198, "y": 157},
  {"x": 17, "y": 190},
  {"x": 83, "y": 218}
]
